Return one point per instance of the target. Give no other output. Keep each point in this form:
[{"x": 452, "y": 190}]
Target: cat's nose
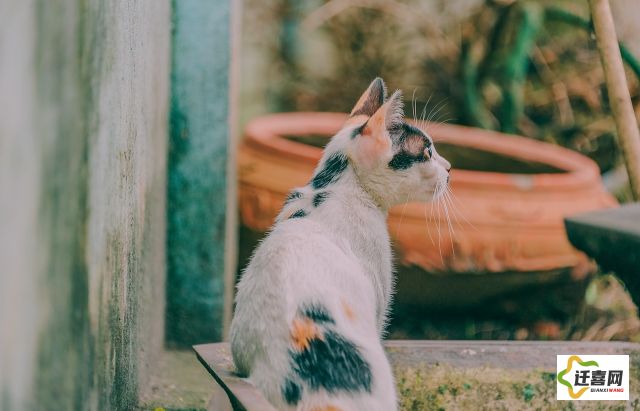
[{"x": 445, "y": 164}]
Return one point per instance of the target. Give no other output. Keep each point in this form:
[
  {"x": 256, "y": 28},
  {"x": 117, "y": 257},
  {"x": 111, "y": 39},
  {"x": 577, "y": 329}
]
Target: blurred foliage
[
  {"x": 539, "y": 74},
  {"x": 526, "y": 67}
]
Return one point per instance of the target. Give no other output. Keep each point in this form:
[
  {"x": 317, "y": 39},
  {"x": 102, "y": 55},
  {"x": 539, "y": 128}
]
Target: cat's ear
[
  {"x": 373, "y": 139},
  {"x": 371, "y": 99},
  {"x": 388, "y": 117}
]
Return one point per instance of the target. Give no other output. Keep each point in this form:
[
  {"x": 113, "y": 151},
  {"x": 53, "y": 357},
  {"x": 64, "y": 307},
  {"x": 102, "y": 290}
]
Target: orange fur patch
[
  {"x": 302, "y": 331},
  {"x": 348, "y": 311},
  {"x": 326, "y": 408},
  {"x": 376, "y": 128}
]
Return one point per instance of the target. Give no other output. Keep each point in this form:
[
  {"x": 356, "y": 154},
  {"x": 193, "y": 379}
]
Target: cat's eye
[{"x": 428, "y": 153}]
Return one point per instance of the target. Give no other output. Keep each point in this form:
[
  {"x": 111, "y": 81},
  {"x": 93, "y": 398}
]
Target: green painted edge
[{"x": 197, "y": 188}]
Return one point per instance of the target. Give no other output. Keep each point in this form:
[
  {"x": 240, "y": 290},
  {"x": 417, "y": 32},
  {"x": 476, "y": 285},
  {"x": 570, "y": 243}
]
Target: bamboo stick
[{"x": 620, "y": 100}]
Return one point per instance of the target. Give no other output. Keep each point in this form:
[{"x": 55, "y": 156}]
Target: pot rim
[{"x": 266, "y": 132}]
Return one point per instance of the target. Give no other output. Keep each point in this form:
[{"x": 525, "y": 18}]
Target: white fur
[{"x": 339, "y": 253}]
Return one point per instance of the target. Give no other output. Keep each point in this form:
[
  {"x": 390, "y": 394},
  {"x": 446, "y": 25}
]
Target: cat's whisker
[
  {"x": 427, "y": 103},
  {"x": 441, "y": 106},
  {"x": 427, "y": 221},
  {"x": 454, "y": 212},
  {"x": 421, "y": 123},
  {"x": 451, "y": 230},
  {"x": 444, "y": 195},
  {"x": 440, "y": 232},
  {"x": 428, "y": 126},
  {"x": 439, "y": 213},
  {"x": 413, "y": 102},
  {"x": 454, "y": 199},
  {"x": 437, "y": 123},
  {"x": 425, "y": 119},
  {"x": 435, "y": 111},
  {"x": 445, "y": 207},
  {"x": 423, "y": 114},
  {"x": 433, "y": 115},
  {"x": 434, "y": 218}
]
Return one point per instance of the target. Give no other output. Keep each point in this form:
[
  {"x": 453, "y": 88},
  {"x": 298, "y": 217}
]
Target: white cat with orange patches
[{"x": 312, "y": 304}]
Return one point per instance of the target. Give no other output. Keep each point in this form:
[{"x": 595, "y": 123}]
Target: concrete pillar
[{"x": 83, "y": 141}]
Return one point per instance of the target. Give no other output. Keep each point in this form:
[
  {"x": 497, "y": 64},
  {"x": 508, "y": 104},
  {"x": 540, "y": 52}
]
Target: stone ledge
[
  {"x": 177, "y": 383},
  {"x": 434, "y": 375}
]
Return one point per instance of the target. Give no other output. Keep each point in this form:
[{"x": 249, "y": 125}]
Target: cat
[{"x": 311, "y": 306}]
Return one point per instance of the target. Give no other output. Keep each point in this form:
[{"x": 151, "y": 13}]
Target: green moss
[
  {"x": 528, "y": 392},
  {"x": 445, "y": 387}
]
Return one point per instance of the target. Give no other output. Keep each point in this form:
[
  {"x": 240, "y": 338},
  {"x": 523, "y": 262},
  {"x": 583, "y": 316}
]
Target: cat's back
[
  {"x": 296, "y": 242},
  {"x": 297, "y": 261},
  {"x": 298, "y": 257}
]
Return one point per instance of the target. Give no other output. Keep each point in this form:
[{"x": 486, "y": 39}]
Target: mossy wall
[{"x": 83, "y": 145}]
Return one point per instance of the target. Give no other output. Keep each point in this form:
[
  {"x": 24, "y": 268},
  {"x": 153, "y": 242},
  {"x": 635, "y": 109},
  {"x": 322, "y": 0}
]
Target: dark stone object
[{"x": 612, "y": 238}]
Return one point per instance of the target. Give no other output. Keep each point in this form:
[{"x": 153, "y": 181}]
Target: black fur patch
[
  {"x": 294, "y": 195},
  {"x": 357, "y": 131},
  {"x": 407, "y": 130},
  {"x": 319, "y": 198},
  {"x": 331, "y": 171},
  {"x": 410, "y": 143},
  {"x": 404, "y": 160},
  {"x": 332, "y": 363},
  {"x": 291, "y": 391},
  {"x": 299, "y": 214},
  {"x": 317, "y": 313}
]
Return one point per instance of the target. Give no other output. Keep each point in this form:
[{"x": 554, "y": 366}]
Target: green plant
[{"x": 505, "y": 59}]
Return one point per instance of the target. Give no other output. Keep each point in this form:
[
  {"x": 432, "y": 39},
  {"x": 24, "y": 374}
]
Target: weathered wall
[{"x": 82, "y": 200}]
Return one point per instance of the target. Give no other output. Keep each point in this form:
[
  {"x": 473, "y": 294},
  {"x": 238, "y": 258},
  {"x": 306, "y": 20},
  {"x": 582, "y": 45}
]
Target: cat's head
[{"x": 393, "y": 160}]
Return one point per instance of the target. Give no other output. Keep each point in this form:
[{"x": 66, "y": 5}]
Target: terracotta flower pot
[{"x": 511, "y": 195}]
